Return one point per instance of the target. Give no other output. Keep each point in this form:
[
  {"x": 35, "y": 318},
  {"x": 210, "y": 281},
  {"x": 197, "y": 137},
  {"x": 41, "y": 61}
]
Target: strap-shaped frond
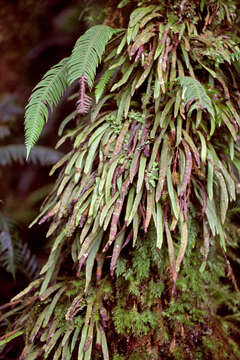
[
  {"x": 87, "y": 53},
  {"x": 99, "y": 90},
  {"x": 194, "y": 91},
  {"x": 46, "y": 94}
]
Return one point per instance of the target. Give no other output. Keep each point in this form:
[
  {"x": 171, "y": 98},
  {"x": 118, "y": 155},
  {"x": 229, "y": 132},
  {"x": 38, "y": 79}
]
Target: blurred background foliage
[{"x": 33, "y": 37}]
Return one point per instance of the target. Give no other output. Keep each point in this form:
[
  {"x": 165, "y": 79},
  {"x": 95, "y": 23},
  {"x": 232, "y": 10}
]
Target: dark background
[{"x": 34, "y": 35}]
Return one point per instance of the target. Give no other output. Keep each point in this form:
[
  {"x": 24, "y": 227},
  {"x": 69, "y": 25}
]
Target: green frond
[
  {"x": 46, "y": 94},
  {"x": 194, "y": 91},
  {"x": 87, "y": 53},
  {"x": 123, "y": 3},
  {"x": 100, "y": 87},
  {"x": 39, "y": 155}
]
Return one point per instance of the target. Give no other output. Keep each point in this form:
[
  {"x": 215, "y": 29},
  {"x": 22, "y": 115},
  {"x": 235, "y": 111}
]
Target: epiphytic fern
[
  {"x": 45, "y": 95},
  {"x": 147, "y": 161},
  {"x": 105, "y": 185}
]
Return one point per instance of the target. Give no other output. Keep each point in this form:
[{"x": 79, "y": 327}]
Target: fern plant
[
  {"x": 81, "y": 66},
  {"x": 15, "y": 256},
  {"x": 154, "y": 156}
]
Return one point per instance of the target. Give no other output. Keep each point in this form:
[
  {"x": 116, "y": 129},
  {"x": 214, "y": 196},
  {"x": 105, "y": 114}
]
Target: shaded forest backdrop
[
  {"x": 34, "y": 36},
  {"x": 162, "y": 186}
]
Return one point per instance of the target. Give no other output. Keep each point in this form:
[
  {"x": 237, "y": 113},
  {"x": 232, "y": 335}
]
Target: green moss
[{"x": 134, "y": 322}]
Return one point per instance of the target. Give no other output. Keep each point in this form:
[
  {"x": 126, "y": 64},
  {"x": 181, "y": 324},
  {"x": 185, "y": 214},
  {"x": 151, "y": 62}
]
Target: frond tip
[{"x": 45, "y": 96}]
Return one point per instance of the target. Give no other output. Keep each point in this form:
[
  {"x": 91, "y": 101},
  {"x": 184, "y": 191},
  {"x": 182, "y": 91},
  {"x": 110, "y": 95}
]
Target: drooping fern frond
[
  {"x": 17, "y": 153},
  {"x": 194, "y": 91},
  {"x": 87, "y": 53},
  {"x": 46, "y": 94}
]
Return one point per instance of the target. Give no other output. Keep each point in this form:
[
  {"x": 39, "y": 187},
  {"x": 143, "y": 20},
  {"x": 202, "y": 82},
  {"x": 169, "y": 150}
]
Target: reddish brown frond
[{"x": 84, "y": 102}]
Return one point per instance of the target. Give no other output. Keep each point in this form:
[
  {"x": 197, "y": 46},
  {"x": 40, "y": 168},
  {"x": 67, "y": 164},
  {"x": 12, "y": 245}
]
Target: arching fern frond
[
  {"x": 194, "y": 91},
  {"x": 45, "y": 95},
  {"x": 87, "y": 53},
  {"x": 39, "y": 155}
]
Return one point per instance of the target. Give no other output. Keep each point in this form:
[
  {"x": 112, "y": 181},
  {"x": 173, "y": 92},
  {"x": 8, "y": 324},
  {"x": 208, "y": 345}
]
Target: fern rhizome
[{"x": 138, "y": 216}]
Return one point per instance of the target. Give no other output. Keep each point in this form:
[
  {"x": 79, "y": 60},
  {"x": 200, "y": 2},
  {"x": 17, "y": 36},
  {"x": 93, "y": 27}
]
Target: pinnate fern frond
[
  {"x": 46, "y": 94},
  {"x": 14, "y": 252},
  {"x": 87, "y": 53},
  {"x": 26, "y": 261},
  {"x": 194, "y": 91},
  {"x": 7, "y": 252},
  {"x": 17, "y": 153}
]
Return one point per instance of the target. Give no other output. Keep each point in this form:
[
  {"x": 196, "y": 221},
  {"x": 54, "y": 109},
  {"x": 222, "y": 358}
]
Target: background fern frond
[
  {"x": 7, "y": 253},
  {"x": 9, "y": 108},
  {"x": 4, "y": 131},
  {"x": 39, "y": 155},
  {"x": 45, "y": 95},
  {"x": 87, "y": 53},
  {"x": 14, "y": 252},
  {"x": 26, "y": 261},
  {"x": 194, "y": 91}
]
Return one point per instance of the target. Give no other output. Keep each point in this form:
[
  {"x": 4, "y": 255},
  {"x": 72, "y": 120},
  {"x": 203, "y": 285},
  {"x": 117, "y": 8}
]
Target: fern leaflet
[
  {"x": 45, "y": 95},
  {"x": 194, "y": 91},
  {"x": 87, "y": 53}
]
